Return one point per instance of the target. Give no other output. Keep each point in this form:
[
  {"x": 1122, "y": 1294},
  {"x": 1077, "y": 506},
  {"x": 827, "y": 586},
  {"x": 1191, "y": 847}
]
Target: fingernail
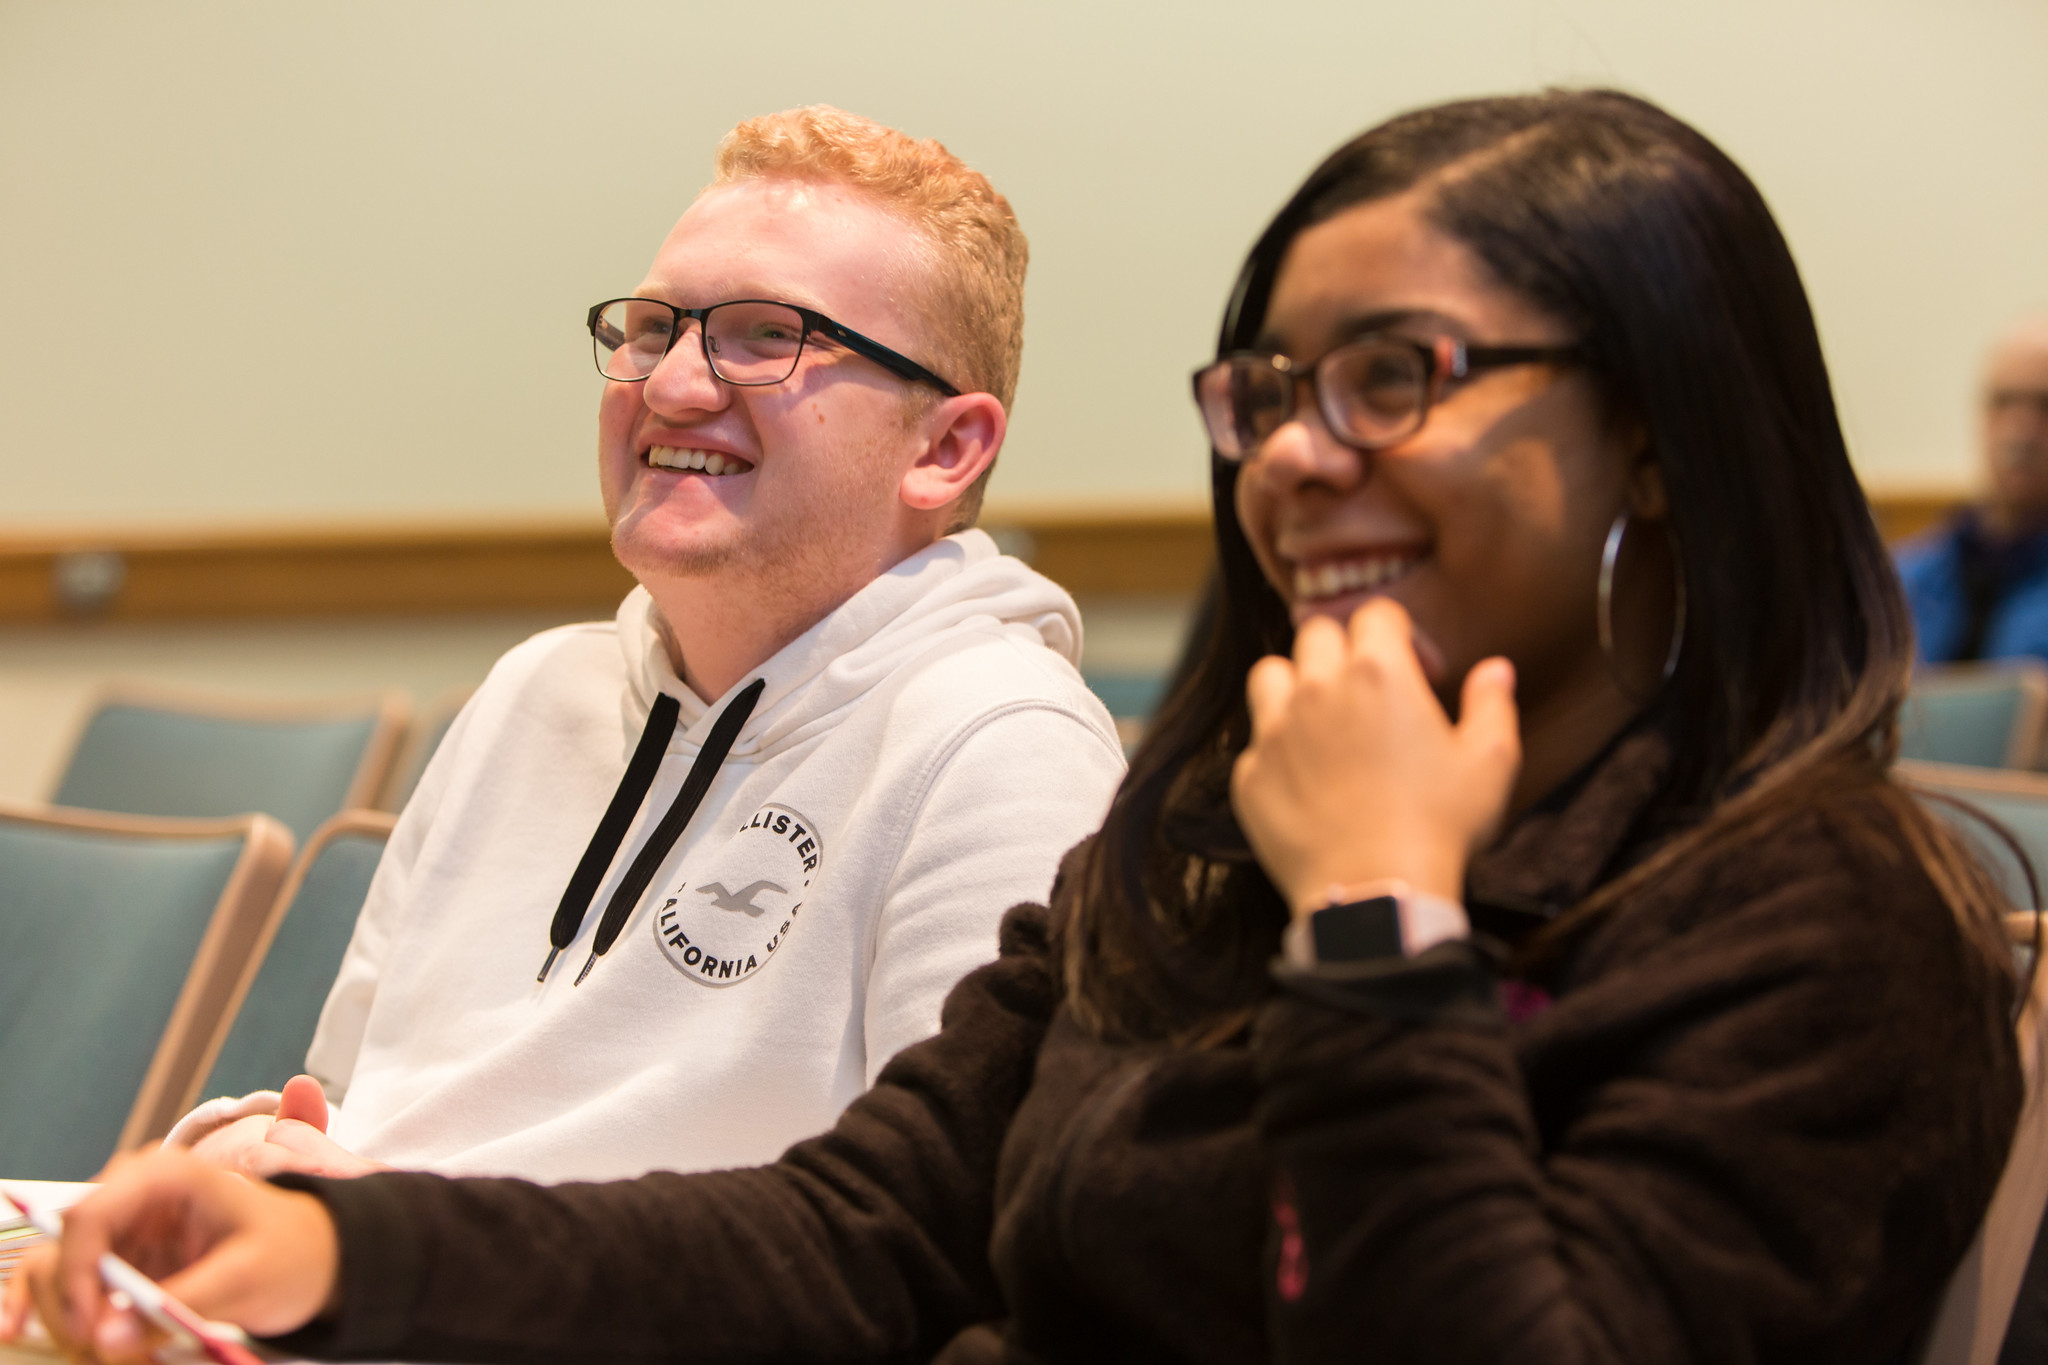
[{"x": 116, "y": 1335}]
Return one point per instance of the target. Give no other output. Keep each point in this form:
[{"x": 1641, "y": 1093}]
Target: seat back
[
  {"x": 121, "y": 939},
  {"x": 1988, "y": 715},
  {"x": 262, "y": 1038},
  {"x": 153, "y": 752},
  {"x": 1970, "y": 1325},
  {"x": 422, "y": 741},
  {"x": 2017, "y": 801},
  {"x": 1131, "y": 696}
]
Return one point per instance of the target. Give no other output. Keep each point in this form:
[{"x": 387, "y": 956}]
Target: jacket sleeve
[
  {"x": 869, "y": 1242},
  {"x": 1007, "y": 801},
  {"x": 1930, "y": 571},
  {"x": 1764, "y": 1136}
]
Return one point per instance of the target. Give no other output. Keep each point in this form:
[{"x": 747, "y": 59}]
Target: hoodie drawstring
[{"x": 618, "y": 819}]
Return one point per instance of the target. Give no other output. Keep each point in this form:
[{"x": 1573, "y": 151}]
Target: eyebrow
[
  {"x": 1356, "y": 325},
  {"x": 647, "y": 289}
]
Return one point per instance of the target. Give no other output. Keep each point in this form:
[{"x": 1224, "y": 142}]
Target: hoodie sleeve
[
  {"x": 338, "y": 1038},
  {"x": 869, "y": 1242},
  {"x": 1018, "y": 790}
]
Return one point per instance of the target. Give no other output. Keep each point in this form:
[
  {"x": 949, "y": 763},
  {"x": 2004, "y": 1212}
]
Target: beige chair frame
[
  {"x": 1963, "y": 779},
  {"x": 375, "y": 822},
  {"x": 2023, "y": 748},
  {"x": 1969, "y": 1328},
  {"x": 393, "y": 709},
  {"x": 176, "y": 1069},
  {"x": 1976, "y": 1308}
]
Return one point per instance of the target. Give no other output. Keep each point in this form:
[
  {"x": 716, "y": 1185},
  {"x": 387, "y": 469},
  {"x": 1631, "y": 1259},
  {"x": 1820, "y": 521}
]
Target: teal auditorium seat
[
  {"x": 2017, "y": 801},
  {"x": 269, "y": 1022},
  {"x": 1975, "y": 1310},
  {"x": 1987, "y": 715},
  {"x": 120, "y": 941},
  {"x": 1129, "y": 696},
  {"x": 144, "y": 753}
]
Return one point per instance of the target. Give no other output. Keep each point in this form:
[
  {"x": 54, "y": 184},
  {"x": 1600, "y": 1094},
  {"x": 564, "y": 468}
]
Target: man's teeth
[
  {"x": 1332, "y": 577},
  {"x": 710, "y": 461}
]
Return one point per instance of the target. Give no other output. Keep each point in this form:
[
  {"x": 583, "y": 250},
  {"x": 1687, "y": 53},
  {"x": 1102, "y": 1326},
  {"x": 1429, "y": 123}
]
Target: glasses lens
[
  {"x": 1244, "y": 400},
  {"x": 632, "y": 335},
  {"x": 1372, "y": 392},
  {"x": 753, "y": 343}
]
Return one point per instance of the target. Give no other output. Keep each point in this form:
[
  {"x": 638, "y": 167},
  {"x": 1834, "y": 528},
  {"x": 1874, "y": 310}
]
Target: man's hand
[
  {"x": 216, "y": 1114},
  {"x": 294, "y": 1146},
  {"x": 294, "y": 1140},
  {"x": 263, "y": 1258},
  {"x": 235, "y": 1146}
]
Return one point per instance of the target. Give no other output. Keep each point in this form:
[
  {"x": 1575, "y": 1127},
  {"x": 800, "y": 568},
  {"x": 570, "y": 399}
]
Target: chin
[{"x": 670, "y": 552}]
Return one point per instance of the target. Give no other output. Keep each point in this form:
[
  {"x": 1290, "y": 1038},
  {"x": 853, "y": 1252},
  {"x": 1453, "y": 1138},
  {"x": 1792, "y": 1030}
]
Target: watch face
[{"x": 1359, "y": 930}]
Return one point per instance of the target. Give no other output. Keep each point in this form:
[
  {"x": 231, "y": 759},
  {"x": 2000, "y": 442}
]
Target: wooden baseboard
[
  {"x": 313, "y": 571},
  {"x": 420, "y": 569},
  {"x": 1904, "y": 512},
  {"x": 541, "y": 566}
]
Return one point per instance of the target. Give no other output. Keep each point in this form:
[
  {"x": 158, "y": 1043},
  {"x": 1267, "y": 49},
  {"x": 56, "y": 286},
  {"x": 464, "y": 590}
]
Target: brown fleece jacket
[{"x": 1759, "y": 1122}]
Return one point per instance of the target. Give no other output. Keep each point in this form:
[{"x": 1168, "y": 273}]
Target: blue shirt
[{"x": 1938, "y": 568}]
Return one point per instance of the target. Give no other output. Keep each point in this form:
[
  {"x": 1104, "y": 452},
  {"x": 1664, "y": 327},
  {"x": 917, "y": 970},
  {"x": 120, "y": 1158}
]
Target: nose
[
  {"x": 682, "y": 381},
  {"x": 1302, "y": 453}
]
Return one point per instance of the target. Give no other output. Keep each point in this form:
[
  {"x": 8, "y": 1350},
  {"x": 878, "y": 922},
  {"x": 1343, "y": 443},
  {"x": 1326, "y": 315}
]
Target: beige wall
[{"x": 263, "y": 260}]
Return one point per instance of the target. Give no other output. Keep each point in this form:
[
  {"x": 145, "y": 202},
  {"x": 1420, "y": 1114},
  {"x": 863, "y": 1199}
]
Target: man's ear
[{"x": 961, "y": 438}]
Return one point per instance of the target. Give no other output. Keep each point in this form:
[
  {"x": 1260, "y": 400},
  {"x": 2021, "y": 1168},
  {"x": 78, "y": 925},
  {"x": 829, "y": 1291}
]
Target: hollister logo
[{"x": 735, "y": 908}]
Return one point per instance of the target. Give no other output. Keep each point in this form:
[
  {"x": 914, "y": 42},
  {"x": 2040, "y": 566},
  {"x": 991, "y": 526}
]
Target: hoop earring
[{"x": 1604, "y": 607}]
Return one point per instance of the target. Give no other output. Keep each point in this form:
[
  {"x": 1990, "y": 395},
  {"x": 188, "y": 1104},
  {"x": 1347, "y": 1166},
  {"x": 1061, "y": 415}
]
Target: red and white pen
[{"x": 147, "y": 1296}]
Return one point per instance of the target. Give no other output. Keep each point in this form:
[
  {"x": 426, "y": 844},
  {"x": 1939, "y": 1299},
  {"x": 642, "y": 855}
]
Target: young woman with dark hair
[{"x": 1536, "y": 962}]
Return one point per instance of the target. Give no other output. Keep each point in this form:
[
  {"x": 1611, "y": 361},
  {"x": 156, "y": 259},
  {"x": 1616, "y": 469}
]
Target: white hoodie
[{"x": 918, "y": 762}]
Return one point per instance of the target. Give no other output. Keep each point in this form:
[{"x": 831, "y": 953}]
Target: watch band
[{"x": 1386, "y": 918}]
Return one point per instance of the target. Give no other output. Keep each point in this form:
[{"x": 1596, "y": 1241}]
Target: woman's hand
[
  {"x": 1354, "y": 773},
  {"x": 263, "y": 1258}
]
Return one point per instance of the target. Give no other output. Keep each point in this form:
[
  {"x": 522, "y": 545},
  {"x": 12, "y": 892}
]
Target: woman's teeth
[
  {"x": 709, "y": 461},
  {"x": 1333, "y": 577}
]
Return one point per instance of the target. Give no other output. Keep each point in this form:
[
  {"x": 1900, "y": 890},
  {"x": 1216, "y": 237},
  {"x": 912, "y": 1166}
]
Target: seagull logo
[
  {"x": 743, "y": 899},
  {"x": 774, "y": 859}
]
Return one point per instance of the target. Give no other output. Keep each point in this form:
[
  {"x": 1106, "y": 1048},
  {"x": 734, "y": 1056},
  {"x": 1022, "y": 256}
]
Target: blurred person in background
[
  {"x": 1978, "y": 585},
  {"x": 1509, "y": 945},
  {"x": 827, "y": 741}
]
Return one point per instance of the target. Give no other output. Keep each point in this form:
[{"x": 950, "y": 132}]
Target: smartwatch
[{"x": 1381, "y": 919}]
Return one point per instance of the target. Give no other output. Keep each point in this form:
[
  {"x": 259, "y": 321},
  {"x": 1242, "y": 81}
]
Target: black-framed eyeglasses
[
  {"x": 748, "y": 342},
  {"x": 1371, "y": 392}
]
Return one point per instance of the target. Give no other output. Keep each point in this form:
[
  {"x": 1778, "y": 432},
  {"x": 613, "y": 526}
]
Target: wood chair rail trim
[
  {"x": 553, "y": 564},
  {"x": 416, "y": 569}
]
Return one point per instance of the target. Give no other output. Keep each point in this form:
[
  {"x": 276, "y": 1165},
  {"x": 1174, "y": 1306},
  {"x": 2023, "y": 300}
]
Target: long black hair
[{"x": 1659, "y": 253}]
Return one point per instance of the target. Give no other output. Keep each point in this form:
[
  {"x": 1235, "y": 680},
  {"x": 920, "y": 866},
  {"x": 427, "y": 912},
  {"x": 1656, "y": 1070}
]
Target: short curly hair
[{"x": 973, "y": 299}]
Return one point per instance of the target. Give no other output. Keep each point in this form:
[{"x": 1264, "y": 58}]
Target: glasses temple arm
[{"x": 894, "y": 361}]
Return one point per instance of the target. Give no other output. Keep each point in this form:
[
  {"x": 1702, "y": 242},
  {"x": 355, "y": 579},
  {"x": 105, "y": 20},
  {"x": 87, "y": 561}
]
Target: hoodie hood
[{"x": 959, "y": 584}]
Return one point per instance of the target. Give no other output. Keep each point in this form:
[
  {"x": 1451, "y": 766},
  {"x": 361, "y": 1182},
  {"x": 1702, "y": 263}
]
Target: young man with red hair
[{"x": 827, "y": 741}]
